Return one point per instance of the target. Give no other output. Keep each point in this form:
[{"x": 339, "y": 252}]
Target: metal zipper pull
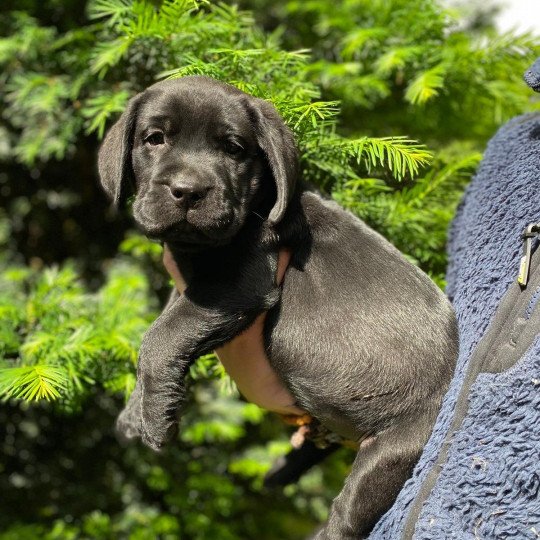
[{"x": 531, "y": 231}]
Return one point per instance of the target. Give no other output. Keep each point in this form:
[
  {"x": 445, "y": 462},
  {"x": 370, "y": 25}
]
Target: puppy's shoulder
[
  {"x": 326, "y": 218},
  {"x": 314, "y": 221}
]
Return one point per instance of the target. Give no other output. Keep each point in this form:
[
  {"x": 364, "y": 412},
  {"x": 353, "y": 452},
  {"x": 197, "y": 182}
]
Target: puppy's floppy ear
[
  {"x": 276, "y": 140},
  {"x": 114, "y": 158}
]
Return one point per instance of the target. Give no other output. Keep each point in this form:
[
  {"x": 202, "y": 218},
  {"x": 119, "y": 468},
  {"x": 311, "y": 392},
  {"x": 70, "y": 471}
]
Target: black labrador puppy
[{"x": 364, "y": 341}]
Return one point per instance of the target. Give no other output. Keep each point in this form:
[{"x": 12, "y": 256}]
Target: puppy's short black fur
[{"x": 364, "y": 340}]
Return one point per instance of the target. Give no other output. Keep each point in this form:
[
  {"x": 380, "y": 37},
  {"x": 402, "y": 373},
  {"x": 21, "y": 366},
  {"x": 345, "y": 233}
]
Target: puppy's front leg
[
  {"x": 181, "y": 334},
  {"x": 128, "y": 425},
  {"x": 222, "y": 302}
]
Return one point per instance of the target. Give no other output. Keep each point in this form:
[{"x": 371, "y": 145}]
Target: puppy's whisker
[{"x": 258, "y": 215}]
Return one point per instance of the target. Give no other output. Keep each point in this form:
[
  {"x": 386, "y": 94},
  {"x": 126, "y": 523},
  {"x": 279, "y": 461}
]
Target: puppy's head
[{"x": 200, "y": 156}]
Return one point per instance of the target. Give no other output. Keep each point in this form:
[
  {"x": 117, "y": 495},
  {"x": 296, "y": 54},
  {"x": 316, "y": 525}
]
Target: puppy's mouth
[
  {"x": 191, "y": 234},
  {"x": 209, "y": 223}
]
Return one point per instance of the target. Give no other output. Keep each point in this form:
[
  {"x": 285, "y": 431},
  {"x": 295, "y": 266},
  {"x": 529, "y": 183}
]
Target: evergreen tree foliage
[
  {"x": 67, "y": 340},
  {"x": 217, "y": 40},
  {"x": 390, "y": 102},
  {"x": 413, "y": 68}
]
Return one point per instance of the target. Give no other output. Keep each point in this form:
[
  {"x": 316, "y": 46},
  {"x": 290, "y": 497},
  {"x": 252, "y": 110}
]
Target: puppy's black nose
[{"x": 185, "y": 194}]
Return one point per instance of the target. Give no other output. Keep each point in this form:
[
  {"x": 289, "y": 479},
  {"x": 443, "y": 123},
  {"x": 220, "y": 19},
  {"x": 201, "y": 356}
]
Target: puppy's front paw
[
  {"x": 156, "y": 438},
  {"x": 128, "y": 423},
  {"x": 159, "y": 423},
  {"x": 162, "y": 389}
]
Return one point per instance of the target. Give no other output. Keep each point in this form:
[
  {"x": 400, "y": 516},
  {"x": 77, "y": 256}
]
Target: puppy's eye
[
  {"x": 232, "y": 148},
  {"x": 155, "y": 139}
]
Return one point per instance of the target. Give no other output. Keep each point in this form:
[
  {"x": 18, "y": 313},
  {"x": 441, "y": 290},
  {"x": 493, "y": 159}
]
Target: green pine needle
[
  {"x": 33, "y": 383},
  {"x": 401, "y": 155},
  {"x": 426, "y": 85}
]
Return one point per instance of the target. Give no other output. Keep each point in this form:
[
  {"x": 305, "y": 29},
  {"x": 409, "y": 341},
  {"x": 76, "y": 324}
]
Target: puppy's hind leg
[{"x": 379, "y": 471}]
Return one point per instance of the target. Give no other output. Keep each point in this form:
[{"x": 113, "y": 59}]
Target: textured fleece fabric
[{"x": 489, "y": 488}]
